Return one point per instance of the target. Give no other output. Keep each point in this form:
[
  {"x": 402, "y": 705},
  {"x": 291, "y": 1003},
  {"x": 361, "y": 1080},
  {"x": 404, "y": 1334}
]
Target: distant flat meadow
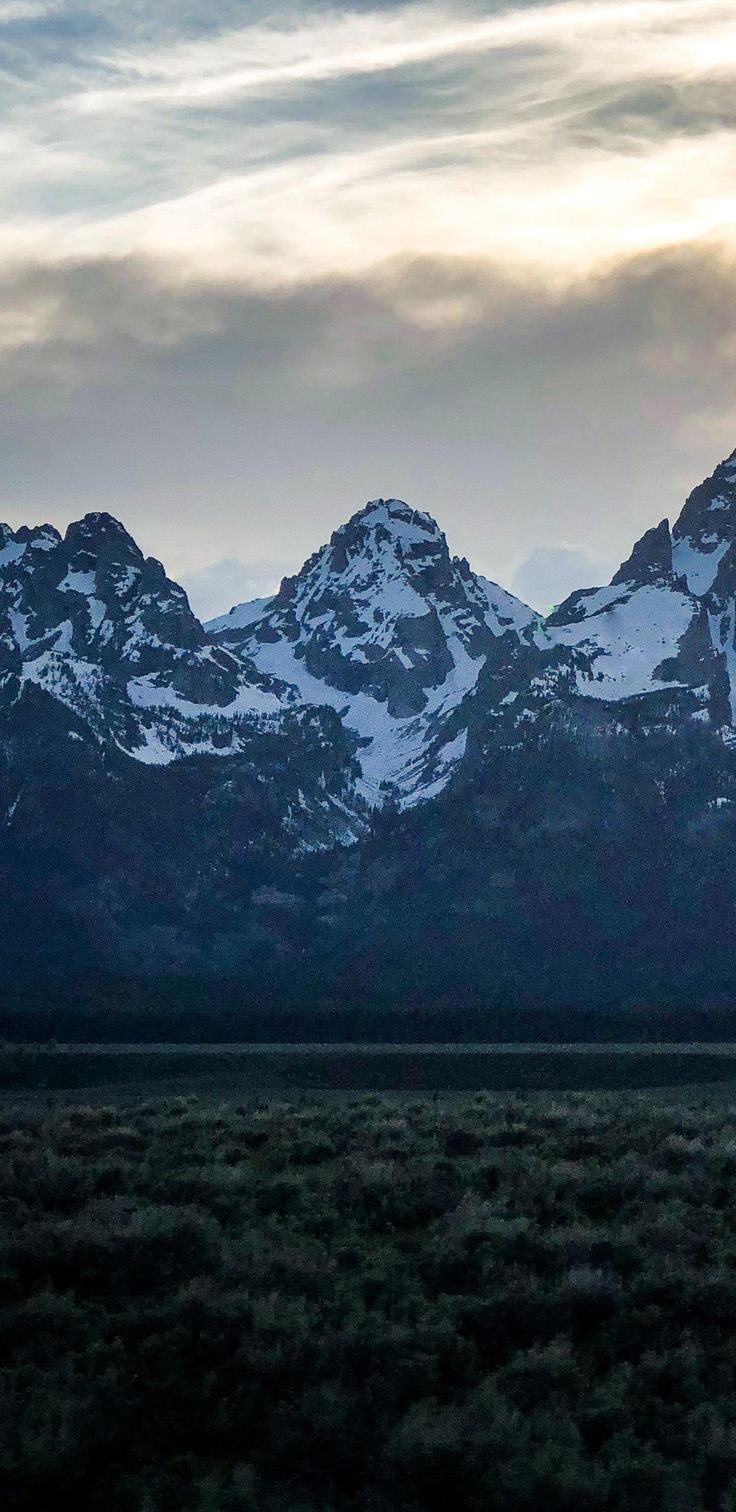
[{"x": 251, "y": 1069}]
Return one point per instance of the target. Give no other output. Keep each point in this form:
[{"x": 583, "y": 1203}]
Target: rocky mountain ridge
[
  {"x": 391, "y": 775},
  {"x": 381, "y": 632},
  {"x": 414, "y": 649}
]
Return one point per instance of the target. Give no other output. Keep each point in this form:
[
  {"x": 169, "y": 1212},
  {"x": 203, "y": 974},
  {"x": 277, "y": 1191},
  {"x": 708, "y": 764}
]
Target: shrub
[{"x": 369, "y": 1307}]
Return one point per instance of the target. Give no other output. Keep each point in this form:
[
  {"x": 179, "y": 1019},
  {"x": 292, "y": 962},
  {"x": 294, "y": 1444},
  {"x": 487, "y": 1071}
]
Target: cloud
[
  {"x": 237, "y": 423},
  {"x": 312, "y": 141},
  {"x": 609, "y": 39},
  {"x": 215, "y": 589},
  {"x": 26, "y": 10},
  {"x": 550, "y": 573},
  {"x": 473, "y": 254}
]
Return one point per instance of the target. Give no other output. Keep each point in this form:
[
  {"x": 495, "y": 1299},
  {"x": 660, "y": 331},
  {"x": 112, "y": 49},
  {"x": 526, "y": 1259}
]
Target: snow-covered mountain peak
[
  {"x": 388, "y": 564},
  {"x": 101, "y": 629},
  {"x": 385, "y": 542},
  {"x": 407, "y": 526},
  {"x": 386, "y": 627},
  {"x": 667, "y": 621}
]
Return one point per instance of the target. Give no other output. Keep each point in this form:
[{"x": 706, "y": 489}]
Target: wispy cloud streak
[
  {"x": 627, "y": 39},
  {"x": 27, "y": 10},
  {"x": 564, "y": 135}
]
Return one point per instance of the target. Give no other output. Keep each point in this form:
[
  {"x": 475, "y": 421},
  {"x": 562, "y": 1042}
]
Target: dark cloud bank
[{"x": 221, "y": 422}]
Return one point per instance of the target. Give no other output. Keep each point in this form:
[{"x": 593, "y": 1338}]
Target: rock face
[{"x": 391, "y": 780}]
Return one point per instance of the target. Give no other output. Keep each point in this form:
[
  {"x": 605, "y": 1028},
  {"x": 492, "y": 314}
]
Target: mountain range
[{"x": 392, "y": 783}]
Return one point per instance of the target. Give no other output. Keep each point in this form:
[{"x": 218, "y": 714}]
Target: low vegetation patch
[{"x": 499, "y": 1303}]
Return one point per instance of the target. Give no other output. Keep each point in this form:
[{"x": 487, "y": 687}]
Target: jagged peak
[
  {"x": 102, "y": 538},
  {"x": 39, "y": 536},
  {"x": 386, "y": 533},
  {"x": 389, "y": 562},
  {"x": 397, "y": 517},
  {"x": 98, "y": 525},
  {"x": 650, "y": 560},
  {"x": 381, "y": 525},
  {"x": 710, "y": 510}
]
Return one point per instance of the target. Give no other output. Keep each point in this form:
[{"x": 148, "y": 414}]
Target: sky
[{"x": 261, "y": 263}]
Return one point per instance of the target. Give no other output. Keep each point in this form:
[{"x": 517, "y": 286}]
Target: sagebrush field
[{"x": 490, "y": 1302}]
